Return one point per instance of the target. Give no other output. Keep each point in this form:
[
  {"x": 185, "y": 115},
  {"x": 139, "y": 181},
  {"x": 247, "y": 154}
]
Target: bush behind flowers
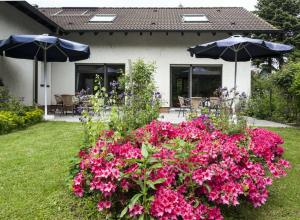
[{"x": 186, "y": 171}]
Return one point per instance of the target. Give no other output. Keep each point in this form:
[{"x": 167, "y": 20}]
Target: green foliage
[
  {"x": 93, "y": 122},
  {"x": 36, "y": 188},
  {"x": 10, "y": 103},
  {"x": 221, "y": 121},
  {"x": 142, "y": 102},
  {"x": 283, "y": 15},
  {"x": 146, "y": 166},
  {"x": 288, "y": 79},
  {"x": 11, "y": 121},
  {"x": 277, "y": 96}
]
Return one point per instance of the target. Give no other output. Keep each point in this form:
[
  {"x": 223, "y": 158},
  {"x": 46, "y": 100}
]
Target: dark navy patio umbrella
[
  {"x": 238, "y": 48},
  {"x": 43, "y": 48}
]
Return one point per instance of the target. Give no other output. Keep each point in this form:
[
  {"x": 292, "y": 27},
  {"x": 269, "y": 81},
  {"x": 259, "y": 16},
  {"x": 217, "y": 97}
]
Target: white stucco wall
[
  {"x": 161, "y": 48},
  {"x": 17, "y": 74}
]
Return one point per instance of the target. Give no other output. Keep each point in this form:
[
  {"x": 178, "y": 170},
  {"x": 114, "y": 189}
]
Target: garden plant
[
  {"x": 186, "y": 171},
  {"x": 135, "y": 167},
  {"x": 14, "y": 115}
]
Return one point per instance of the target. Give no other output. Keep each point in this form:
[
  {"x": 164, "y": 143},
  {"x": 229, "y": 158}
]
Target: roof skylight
[
  {"x": 105, "y": 18},
  {"x": 194, "y": 18}
]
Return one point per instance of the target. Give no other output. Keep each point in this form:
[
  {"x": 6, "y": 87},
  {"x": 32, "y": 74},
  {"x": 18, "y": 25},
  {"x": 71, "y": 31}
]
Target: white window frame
[
  {"x": 95, "y": 18},
  {"x": 192, "y": 18}
]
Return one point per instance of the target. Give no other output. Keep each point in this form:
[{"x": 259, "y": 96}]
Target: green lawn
[{"x": 34, "y": 167}]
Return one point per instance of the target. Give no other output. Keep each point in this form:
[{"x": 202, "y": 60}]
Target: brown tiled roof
[{"x": 158, "y": 19}]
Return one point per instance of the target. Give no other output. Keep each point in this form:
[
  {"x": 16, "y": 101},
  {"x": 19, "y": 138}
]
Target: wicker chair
[
  {"x": 68, "y": 103},
  {"x": 59, "y": 104},
  {"x": 215, "y": 104},
  {"x": 185, "y": 105},
  {"x": 197, "y": 103}
]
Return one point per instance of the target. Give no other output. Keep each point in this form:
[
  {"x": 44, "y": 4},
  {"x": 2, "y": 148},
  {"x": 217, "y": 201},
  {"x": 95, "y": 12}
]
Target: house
[{"x": 119, "y": 36}]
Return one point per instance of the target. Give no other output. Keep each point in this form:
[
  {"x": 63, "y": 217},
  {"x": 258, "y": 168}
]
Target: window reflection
[{"x": 86, "y": 75}]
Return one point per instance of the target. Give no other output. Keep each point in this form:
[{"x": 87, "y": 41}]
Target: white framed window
[
  {"x": 194, "y": 18},
  {"x": 103, "y": 18}
]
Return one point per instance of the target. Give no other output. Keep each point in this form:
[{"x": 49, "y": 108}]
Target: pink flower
[
  {"x": 193, "y": 162},
  {"x": 124, "y": 184},
  {"x": 103, "y": 205},
  {"x": 136, "y": 210},
  {"x": 78, "y": 184}
]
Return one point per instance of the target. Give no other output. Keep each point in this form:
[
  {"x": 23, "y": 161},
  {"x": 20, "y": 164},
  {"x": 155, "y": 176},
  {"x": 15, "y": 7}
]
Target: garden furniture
[
  {"x": 214, "y": 104},
  {"x": 197, "y": 103},
  {"x": 185, "y": 105},
  {"x": 59, "y": 104},
  {"x": 68, "y": 103},
  {"x": 43, "y": 48}
]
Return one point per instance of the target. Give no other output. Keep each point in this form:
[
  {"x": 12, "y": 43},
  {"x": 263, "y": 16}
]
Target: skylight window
[
  {"x": 194, "y": 18},
  {"x": 103, "y": 18}
]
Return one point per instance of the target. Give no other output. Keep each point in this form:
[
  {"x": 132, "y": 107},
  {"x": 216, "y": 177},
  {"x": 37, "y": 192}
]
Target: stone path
[{"x": 173, "y": 117}]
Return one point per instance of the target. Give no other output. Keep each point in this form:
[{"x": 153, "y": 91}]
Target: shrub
[
  {"x": 276, "y": 96},
  {"x": 9, "y": 102},
  {"x": 133, "y": 100},
  {"x": 142, "y": 100},
  {"x": 185, "y": 171},
  {"x": 11, "y": 121}
]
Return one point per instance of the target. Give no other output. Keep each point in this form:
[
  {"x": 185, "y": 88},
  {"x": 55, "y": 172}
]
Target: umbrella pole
[
  {"x": 234, "y": 117},
  {"x": 45, "y": 83},
  {"x": 235, "y": 68}
]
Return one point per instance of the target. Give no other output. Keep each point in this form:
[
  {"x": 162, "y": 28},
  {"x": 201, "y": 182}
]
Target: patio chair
[
  {"x": 59, "y": 104},
  {"x": 215, "y": 103},
  {"x": 68, "y": 103},
  {"x": 197, "y": 103},
  {"x": 185, "y": 105}
]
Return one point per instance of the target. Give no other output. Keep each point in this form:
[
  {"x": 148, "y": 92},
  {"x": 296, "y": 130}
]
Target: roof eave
[
  {"x": 178, "y": 30},
  {"x": 34, "y": 13}
]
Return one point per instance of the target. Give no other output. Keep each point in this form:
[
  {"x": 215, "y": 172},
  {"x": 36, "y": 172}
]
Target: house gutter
[{"x": 35, "y": 14}]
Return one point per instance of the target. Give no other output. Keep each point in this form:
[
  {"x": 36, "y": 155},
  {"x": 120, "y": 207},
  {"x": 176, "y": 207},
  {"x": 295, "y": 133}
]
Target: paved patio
[{"x": 173, "y": 117}]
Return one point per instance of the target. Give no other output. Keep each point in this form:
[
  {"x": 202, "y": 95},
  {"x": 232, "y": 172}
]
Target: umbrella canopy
[
  {"x": 238, "y": 48},
  {"x": 33, "y": 46},
  {"x": 43, "y": 48}
]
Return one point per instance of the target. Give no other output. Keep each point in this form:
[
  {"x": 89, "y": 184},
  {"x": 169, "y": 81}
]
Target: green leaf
[
  {"x": 134, "y": 199},
  {"x": 207, "y": 187},
  {"x": 156, "y": 166},
  {"x": 160, "y": 180},
  {"x": 141, "y": 217},
  {"x": 124, "y": 211},
  {"x": 153, "y": 160},
  {"x": 151, "y": 185},
  {"x": 145, "y": 151}
]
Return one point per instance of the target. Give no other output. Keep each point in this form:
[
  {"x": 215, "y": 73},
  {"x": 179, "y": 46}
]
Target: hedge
[{"x": 10, "y": 120}]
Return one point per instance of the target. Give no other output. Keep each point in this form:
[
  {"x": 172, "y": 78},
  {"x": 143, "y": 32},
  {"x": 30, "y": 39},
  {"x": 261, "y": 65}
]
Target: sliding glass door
[
  {"x": 179, "y": 83},
  {"x": 86, "y": 75},
  {"x": 205, "y": 80},
  {"x": 194, "y": 81}
]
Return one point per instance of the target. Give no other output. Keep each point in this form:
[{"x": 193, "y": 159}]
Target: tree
[
  {"x": 283, "y": 14},
  {"x": 180, "y": 5}
]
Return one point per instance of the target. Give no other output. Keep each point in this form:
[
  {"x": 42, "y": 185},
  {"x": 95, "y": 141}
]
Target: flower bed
[{"x": 186, "y": 171}]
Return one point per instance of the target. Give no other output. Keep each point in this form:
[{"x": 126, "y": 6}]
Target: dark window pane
[
  {"x": 85, "y": 77},
  {"x": 113, "y": 72},
  {"x": 205, "y": 80},
  {"x": 180, "y": 83}
]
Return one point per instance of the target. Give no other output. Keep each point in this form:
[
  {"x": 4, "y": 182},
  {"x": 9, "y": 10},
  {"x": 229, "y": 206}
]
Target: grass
[
  {"x": 284, "y": 199},
  {"x": 34, "y": 167}
]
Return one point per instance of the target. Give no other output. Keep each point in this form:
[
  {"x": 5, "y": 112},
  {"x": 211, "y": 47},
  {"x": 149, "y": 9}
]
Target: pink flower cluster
[{"x": 202, "y": 169}]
